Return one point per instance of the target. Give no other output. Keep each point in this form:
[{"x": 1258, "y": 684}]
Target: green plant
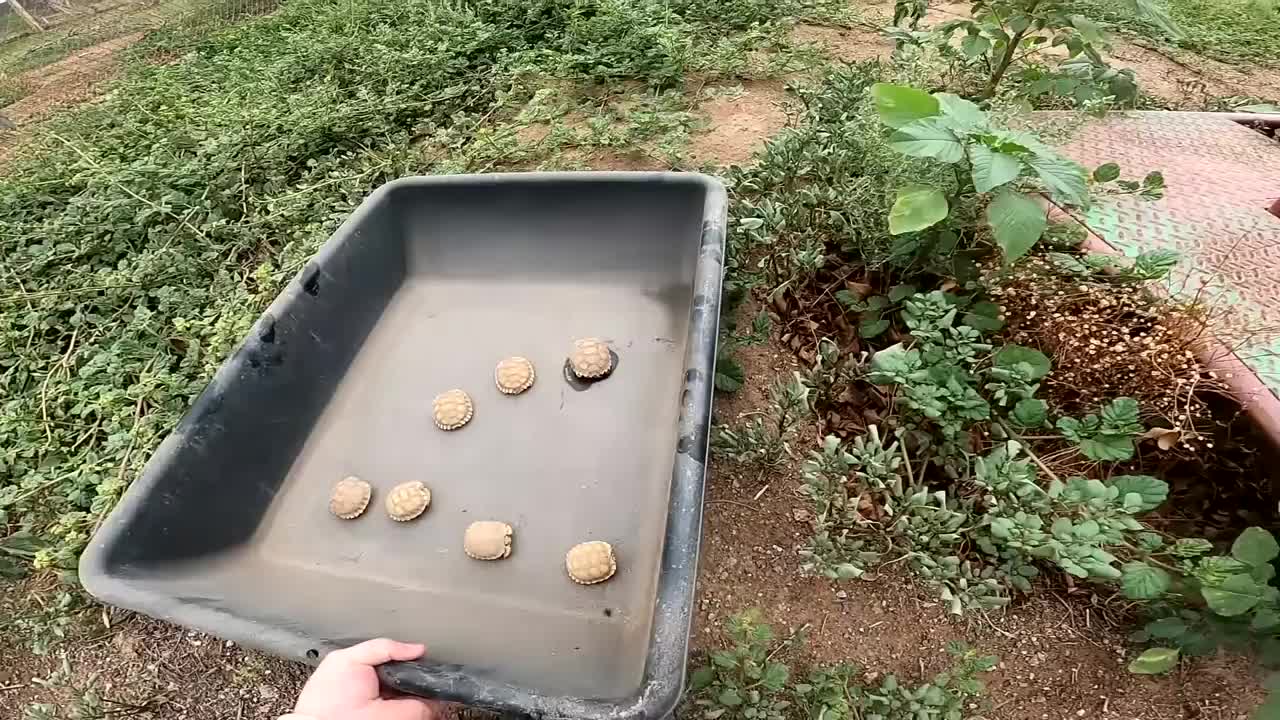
[
  {"x": 766, "y": 436},
  {"x": 1143, "y": 268},
  {"x": 1001, "y": 164},
  {"x": 1107, "y": 436},
  {"x": 1004, "y": 32},
  {"x": 744, "y": 682},
  {"x": 821, "y": 189}
]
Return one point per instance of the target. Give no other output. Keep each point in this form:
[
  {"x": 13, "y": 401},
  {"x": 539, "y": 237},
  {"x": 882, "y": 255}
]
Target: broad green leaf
[
  {"x": 1255, "y": 546},
  {"x": 961, "y": 113},
  {"x": 1154, "y": 661},
  {"x": 1167, "y": 628},
  {"x": 917, "y": 207},
  {"x": 928, "y": 138},
  {"x": 775, "y": 675},
  {"x": 1029, "y": 413},
  {"x": 992, "y": 168},
  {"x": 848, "y": 571},
  {"x": 900, "y": 105},
  {"x": 702, "y": 678},
  {"x": 1012, "y": 354},
  {"x": 983, "y": 315},
  {"x": 872, "y": 327},
  {"x": 729, "y": 698},
  {"x": 1140, "y": 581},
  {"x": 898, "y": 293},
  {"x": 1121, "y": 415},
  {"x": 1265, "y": 619},
  {"x": 1152, "y": 490},
  {"x": 1107, "y": 172},
  {"x": 1088, "y": 29},
  {"x": 1191, "y": 547},
  {"x": 975, "y": 45},
  {"x": 729, "y": 374},
  {"x": 1235, "y": 596},
  {"x": 1017, "y": 222},
  {"x": 1107, "y": 448},
  {"x": 894, "y": 360},
  {"x": 1065, "y": 179},
  {"x": 724, "y": 659}
]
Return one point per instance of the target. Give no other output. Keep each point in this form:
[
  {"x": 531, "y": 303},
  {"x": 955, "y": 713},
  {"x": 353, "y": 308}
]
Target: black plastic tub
[{"x": 425, "y": 288}]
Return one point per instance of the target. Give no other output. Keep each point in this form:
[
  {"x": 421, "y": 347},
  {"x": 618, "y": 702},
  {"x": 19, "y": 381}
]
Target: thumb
[
  {"x": 407, "y": 709},
  {"x": 377, "y": 652}
]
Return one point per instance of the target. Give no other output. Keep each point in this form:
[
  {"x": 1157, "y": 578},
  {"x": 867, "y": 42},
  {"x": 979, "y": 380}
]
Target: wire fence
[{"x": 56, "y": 53}]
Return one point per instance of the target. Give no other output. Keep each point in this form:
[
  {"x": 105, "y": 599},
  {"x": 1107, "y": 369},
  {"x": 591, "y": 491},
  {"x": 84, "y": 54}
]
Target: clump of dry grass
[{"x": 1112, "y": 339}]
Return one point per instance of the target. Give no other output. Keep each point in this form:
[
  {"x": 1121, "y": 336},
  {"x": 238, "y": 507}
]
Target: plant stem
[
  {"x": 1030, "y": 453},
  {"x": 1009, "y": 49}
]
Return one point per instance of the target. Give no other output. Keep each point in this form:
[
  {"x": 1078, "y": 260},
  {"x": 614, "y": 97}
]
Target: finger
[
  {"x": 409, "y": 709},
  {"x": 381, "y": 650}
]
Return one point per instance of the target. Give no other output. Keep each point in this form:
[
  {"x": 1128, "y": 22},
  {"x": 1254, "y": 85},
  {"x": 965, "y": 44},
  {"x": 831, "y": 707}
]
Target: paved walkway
[{"x": 1221, "y": 178}]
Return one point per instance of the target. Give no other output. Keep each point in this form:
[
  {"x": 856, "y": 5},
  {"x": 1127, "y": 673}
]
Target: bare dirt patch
[
  {"x": 69, "y": 81},
  {"x": 854, "y": 44},
  {"x": 1186, "y": 80},
  {"x": 149, "y": 670},
  {"x": 738, "y": 123}
]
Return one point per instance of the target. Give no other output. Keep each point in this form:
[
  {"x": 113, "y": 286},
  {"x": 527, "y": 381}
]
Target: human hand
[{"x": 345, "y": 686}]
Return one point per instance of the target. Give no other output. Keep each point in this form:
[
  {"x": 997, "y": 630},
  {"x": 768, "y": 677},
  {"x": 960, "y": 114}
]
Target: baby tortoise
[
  {"x": 452, "y": 409},
  {"x": 591, "y": 562},
  {"x": 407, "y": 501},
  {"x": 514, "y": 375},
  {"x": 487, "y": 540},
  {"x": 590, "y": 358},
  {"x": 350, "y": 498}
]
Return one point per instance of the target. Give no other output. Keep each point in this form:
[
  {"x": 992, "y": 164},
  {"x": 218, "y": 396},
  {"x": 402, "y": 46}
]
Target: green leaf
[
  {"x": 1088, "y": 29},
  {"x": 871, "y": 327},
  {"x": 724, "y": 659},
  {"x": 975, "y": 45},
  {"x": 776, "y": 675},
  {"x": 917, "y": 207},
  {"x": 1255, "y": 546},
  {"x": 1140, "y": 581},
  {"x": 729, "y": 374},
  {"x": 983, "y": 315},
  {"x": 1065, "y": 179},
  {"x": 848, "y": 571},
  {"x": 1107, "y": 172},
  {"x": 729, "y": 698},
  {"x": 992, "y": 168},
  {"x": 1011, "y": 354},
  {"x": 1154, "y": 661},
  {"x": 928, "y": 138},
  {"x": 1191, "y": 547},
  {"x": 1121, "y": 415},
  {"x": 1029, "y": 413},
  {"x": 898, "y": 293},
  {"x": 1235, "y": 596},
  {"x": 1107, "y": 448},
  {"x": 900, "y": 105},
  {"x": 1167, "y": 628},
  {"x": 1017, "y": 222},
  {"x": 1152, "y": 490},
  {"x": 1265, "y": 619},
  {"x": 702, "y": 678},
  {"x": 894, "y": 360},
  {"x": 960, "y": 113}
]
